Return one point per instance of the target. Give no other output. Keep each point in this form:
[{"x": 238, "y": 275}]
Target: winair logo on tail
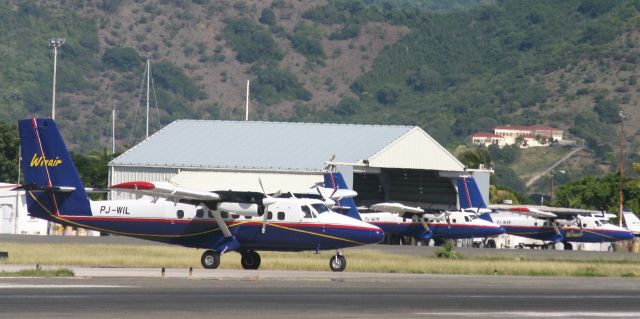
[{"x": 38, "y": 161}]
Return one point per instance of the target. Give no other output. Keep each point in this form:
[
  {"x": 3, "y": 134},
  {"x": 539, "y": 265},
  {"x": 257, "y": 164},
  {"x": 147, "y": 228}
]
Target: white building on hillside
[{"x": 524, "y": 136}]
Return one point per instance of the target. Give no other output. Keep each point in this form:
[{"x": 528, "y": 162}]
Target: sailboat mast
[
  {"x": 148, "y": 80},
  {"x": 246, "y": 110}
]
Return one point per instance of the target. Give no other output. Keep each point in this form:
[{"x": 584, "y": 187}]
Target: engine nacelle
[{"x": 244, "y": 209}]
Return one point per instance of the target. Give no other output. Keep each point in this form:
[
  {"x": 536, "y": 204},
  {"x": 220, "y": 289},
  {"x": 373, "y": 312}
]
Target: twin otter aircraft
[{"x": 219, "y": 221}]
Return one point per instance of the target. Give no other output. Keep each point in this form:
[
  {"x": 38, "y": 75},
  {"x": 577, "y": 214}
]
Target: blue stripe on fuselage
[
  {"x": 440, "y": 230},
  {"x": 576, "y": 235}
]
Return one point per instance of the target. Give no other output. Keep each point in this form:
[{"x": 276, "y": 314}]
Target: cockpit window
[
  {"x": 467, "y": 219},
  {"x": 598, "y": 224},
  {"x": 307, "y": 211},
  {"x": 320, "y": 208}
]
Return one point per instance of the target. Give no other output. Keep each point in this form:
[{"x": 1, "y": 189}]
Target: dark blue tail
[
  {"x": 470, "y": 197},
  {"x": 51, "y": 181},
  {"x": 469, "y": 193},
  {"x": 335, "y": 180}
]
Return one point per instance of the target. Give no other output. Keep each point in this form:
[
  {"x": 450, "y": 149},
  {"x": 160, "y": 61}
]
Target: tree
[{"x": 267, "y": 17}]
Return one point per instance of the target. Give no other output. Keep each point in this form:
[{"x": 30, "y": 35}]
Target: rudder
[{"x": 336, "y": 181}]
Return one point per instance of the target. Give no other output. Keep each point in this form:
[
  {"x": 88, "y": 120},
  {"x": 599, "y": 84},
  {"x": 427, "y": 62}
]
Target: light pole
[
  {"x": 553, "y": 177},
  {"x": 622, "y": 118},
  {"x": 55, "y": 43}
]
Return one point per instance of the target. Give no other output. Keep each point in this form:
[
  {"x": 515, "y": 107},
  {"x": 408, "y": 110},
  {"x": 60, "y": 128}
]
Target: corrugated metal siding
[
  {"x": 260, "y": 145},
  {"x": 246, "y": 181},
  {"x": 416, "y": 150}
]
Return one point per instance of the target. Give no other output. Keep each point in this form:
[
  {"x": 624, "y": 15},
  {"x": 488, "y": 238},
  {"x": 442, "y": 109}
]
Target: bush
[
  {"x": 447, "y": 250},
  {"x": 274, "y": 85},
  {"x": 306, "y": 40},
  {"x": 267, "y": 17},
  {"x": 124, "y": 59},
  {"x": 251, "y": 42}
]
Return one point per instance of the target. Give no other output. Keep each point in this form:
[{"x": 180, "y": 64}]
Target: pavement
[{"x": 143, "y": 293}]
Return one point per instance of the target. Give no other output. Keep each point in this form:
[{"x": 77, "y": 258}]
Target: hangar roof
[{"x": 282, "y": 146}]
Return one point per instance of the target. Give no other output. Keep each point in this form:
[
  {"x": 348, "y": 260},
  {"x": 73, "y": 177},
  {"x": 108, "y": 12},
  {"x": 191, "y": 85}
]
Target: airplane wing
[
  {"x": 396, "y": 208},
  {"x": 525, "y": 210},
  {"x": 164, "y": 189}
]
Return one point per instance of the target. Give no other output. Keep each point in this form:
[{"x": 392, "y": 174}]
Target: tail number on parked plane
[{"x": 118, "y": 210}]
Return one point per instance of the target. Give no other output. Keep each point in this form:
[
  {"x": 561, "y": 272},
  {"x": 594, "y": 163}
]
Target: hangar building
[{"x": 381, "y": 162}]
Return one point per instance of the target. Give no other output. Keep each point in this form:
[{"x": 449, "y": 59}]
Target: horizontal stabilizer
[{"x": 36, "y": 188}]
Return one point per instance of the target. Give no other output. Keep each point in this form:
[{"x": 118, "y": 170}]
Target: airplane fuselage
[
  {"x": 458, "y": 225},
  {"x": 587, "y": 229},
  {"x": 288, "y": 228}
]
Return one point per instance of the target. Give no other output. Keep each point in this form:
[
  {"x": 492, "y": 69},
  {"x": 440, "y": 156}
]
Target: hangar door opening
[{"x": 426, "y": 189}]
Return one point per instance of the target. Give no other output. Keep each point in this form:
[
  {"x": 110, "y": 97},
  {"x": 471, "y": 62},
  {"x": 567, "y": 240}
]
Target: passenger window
[
  {"x": 199, "y": 213},
  {"x": 584, "y": 225},
  {"x": 247, "y": 217},
  {"x": 224, "y": 215},
  {"x": 270, "y": 215},
  {"x": 320, "y": 208},
  {"x": 307, "y": 211},
  {"x": 180, "y": 213},
  {"x": 453, "y": 220},
  {"x": 234, "y": 216},
  {"x": 280, "y": 215},
  {"x": 535, "y": 224}
]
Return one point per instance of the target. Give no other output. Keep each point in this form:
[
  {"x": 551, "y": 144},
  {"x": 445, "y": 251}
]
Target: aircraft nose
[
  {"x": 376, "y": 235},
  {"x": 626, "y": 235}
]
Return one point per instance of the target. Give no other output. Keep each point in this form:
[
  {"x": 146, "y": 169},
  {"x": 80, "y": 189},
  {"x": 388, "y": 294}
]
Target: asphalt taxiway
[{"x": 142, "y": 293}]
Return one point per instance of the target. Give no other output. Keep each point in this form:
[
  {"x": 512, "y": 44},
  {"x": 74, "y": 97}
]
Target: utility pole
[
  {"x": 148, "y": 80},
  {"x": 620, "y": 208},
  {"x": 55, "y": 43}
]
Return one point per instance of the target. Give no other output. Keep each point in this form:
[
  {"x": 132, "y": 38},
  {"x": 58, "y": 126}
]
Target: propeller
[
  {"x": 266, "y": 202},
  {"x": 327, "y": 201}
]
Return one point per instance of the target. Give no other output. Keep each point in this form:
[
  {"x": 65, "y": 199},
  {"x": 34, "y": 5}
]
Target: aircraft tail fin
[
  {"x": 336, "y": 180},
  {"x": 469, "y": 194},
  {"x": 632, "y": 221},
  {"x": 51, "y": 181}
]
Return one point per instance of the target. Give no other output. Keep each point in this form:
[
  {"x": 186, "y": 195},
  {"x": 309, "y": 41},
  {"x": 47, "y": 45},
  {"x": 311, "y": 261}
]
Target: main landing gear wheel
[
  {"x": 337, "y": 263},
  {"x": 250, "y": 260},
  {"x": 210, "y": 259}
]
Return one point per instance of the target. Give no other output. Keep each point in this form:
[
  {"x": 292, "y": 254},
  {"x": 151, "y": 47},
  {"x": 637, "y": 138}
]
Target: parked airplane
[
  {"x": 551, "y": 224},
  {"x": 399, "y": 219},
  {"x": 219, "y": 222}
]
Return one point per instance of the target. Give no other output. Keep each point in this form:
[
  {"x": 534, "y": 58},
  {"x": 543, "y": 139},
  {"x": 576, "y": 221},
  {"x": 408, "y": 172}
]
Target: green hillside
[{"x": 451, "y": 67}]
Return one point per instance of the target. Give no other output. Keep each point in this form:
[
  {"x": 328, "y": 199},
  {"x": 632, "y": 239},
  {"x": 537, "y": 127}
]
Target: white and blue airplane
[
  {"x": 399, "y": 219},
  {"x": 549, "y": 224},
  {"x": 218, "y": 221}
]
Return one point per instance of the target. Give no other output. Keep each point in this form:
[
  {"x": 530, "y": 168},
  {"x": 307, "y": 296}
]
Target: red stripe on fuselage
[{"x": 211, "y": 221}]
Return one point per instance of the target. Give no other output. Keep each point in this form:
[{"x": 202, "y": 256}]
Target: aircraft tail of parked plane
[
  {"x": 50, "y": 175},
  {"x": 470, "y": 198},
  {"x": 632, "y": 222},
  {"x": 336, "y": 181}
]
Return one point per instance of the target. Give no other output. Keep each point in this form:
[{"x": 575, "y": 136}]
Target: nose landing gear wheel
[
  {"x": 250, "y": 260},
  {"x": 210, "y": 259},
  {"x": 337, "y": 263}
]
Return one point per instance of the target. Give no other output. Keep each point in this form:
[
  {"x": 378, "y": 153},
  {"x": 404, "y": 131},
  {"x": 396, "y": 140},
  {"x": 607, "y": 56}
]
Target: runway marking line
[
  {"x": 45, "y": 286},
  {"x": 533, "y": 314}
]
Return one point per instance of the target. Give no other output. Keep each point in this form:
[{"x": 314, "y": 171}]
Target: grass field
[
  {"x": 59, "y": 272},
  {"x": 104, "y": 255}
]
